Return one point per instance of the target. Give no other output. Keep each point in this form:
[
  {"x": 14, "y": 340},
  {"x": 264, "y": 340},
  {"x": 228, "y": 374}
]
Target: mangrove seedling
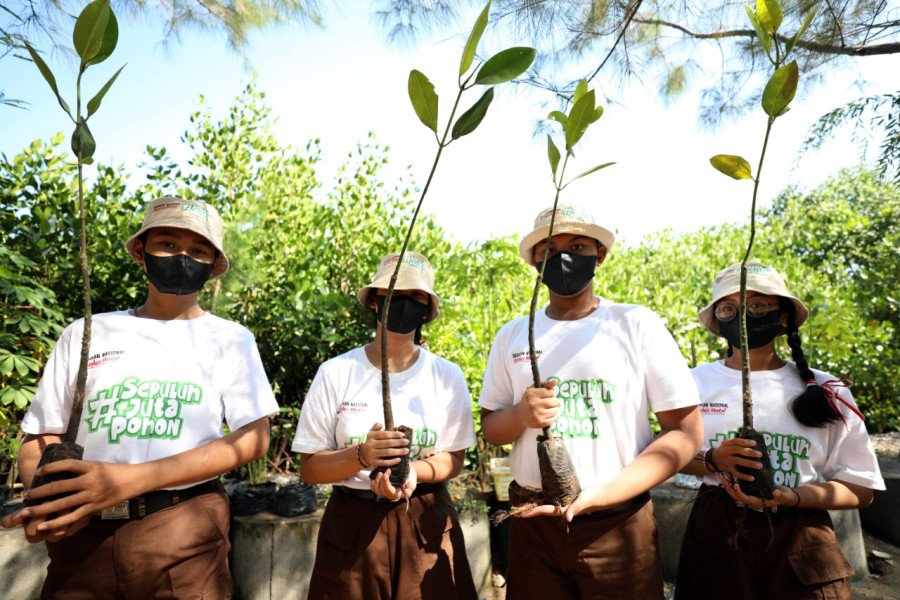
[
  {"x": 776, "y": 98},
  {"x": 500, "y": 68},
  {"x": 94, "y": 38}
]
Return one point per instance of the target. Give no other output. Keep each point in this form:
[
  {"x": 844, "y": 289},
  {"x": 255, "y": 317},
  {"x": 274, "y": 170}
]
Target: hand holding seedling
[
  {"x": 736, "y": 452},
  {"x": 538, "y": 407},
  {"x": 777, "y": 95}
]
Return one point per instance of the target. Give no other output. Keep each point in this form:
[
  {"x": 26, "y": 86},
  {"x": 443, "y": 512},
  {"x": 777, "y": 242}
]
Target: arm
[
  {"x": 98, "y": 485},
  {"x": 830, "y": 495},
  {"x": 677, "y": 443},
  {"x": 538, "y": 408},
  {"x": 434, "y": 469},
  {"x": 30, "y": 454},
  {"x": 381, "y": 449}
]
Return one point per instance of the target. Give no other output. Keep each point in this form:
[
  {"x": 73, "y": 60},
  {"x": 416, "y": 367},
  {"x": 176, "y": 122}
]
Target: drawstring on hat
[{"x": 830, "y": 389}]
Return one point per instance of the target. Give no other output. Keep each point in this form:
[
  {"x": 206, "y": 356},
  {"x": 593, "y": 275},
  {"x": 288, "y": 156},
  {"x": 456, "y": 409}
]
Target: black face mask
[
  {"x": 179, "y": 274},
  {"x": 406, "y": 313},
  {"x": 760, "y": 330},
  {"x": 567, "y": 273}
]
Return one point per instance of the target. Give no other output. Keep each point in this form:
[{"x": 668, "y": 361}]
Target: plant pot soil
[
  {"x": 295, "y": 500},
  {"x": 400, "y": 471},
  {"x": 249, "y": 499},
  {"x": 762, "y": 484},
  {"x": 54, "y": 453},
  {"x": 559, "y": 482}
]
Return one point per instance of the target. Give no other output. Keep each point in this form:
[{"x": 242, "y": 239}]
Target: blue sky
[{"x": 341, "y": 82}]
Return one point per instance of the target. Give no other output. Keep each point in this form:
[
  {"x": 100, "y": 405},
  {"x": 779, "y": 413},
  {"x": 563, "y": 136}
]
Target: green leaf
[
  {"x": 579, "y": 118},
  {"x": 424, "y": 99},
  {"x": 83, "y": 144},
  {"x": 469, "y": 120},
  {"x": 580, "y": 90},
  {"x": 94, "y": 102},
  {"x": 553, "y": 155},
  {"x": 90, "y": 29},
  {"x": 589, "y": 171},
  {"x": 770, "y": 15},
  {"x": 796, "y": 37},
  {"x": 48, "y": 75},
  {"x": 474, "y": 37},
  {"x": 780, "y": 89},
  {"x": 598, "y": 112},
  {"x": 110, "y": 39},
  {"x": 505, "y": 65},
  {"x": 559, "y": 117},
  {"x": 733, "y": 166},
  {"x": 764, "y": 37}
]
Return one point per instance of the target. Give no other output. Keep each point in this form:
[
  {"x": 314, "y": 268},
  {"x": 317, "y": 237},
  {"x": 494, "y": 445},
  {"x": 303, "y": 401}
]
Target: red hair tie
[{"x": 830, "y": 389}]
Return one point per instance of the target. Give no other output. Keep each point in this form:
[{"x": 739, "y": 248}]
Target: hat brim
[{"x": 596, "y": 232}]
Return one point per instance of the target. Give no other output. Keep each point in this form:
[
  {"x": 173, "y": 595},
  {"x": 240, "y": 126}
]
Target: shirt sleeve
[
  {"x": 497, "y": 390},
  {"x": 851, "y": 457},
  {"x": 667, "y": 378},
  {"x": 249, "y": 395},
  {"x": 318, "y": 419},
  {"x": 459, "y": 430},
  {"x": 52, "y": 403}
]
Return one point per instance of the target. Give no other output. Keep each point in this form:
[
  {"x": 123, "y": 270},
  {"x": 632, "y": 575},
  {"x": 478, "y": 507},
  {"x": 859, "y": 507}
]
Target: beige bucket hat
[
  {"x": 569, "y": 219},
  {"x": 760, "y": 278},
  {"x": 193, "y": 215},
  {"x": 416, "y": 273}
]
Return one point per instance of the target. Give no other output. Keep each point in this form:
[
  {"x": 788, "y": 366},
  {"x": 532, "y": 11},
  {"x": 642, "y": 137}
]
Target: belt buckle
[{"x": 117, "y": 511}]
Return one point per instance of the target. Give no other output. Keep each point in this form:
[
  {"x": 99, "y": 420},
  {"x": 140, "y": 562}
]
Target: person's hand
[
  {"x": 96, "y": 485},
  {"x": 383, "y": 448},
  {"x": 381, "y": 485},
  {"x": 736, "y": 451},
  {"x": 782, "y": 496},
  {"x": 22, "y": 517},
  {"x": 538, "y": 407},
  {"x": 590, "y": 499}
]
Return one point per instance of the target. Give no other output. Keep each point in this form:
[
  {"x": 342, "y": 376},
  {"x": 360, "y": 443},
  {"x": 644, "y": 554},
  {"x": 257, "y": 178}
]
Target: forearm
[
  {"x": 696, "y": 467},
  {"x": 834, "y": 495},
  {"x": 329, "y": 466},
  {"x": 440, "y": 467},
  {"x": 30, "y": 452},
  {"x": 502, "y": 426}
]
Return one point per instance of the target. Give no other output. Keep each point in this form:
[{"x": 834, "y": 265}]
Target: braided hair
[{"x": 811, "y": 408}]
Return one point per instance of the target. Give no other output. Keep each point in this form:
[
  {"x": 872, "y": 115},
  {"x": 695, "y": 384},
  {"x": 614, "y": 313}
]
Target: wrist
[
  {"x": 360, "y": 457},
  {"x": 797, "y": 494}
]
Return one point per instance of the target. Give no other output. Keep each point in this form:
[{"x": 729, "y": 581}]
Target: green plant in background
[
  {"x": 776, "y": 98},
  {"x": 257, "y": 471},
  {"x": 94, "y": 38},
  {"x": 502, "y": 67},
  {"x": 559, "y": 481}
]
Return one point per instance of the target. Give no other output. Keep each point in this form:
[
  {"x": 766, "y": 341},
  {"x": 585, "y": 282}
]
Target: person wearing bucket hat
[
  {"x": 819, "y": 451},
  {"x": 605, "y": 365},
  {"x": 161, "y": 379},
  {"x": 369, "y": 547}
]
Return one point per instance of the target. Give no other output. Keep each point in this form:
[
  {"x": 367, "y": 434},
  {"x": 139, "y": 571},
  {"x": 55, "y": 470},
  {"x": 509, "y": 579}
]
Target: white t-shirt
[
  {"x": 344, "y": 402},
  {"x": 154, "y": 388},
  {"x": 610, "y": 367},
  {"x": 799, "y": 454}
]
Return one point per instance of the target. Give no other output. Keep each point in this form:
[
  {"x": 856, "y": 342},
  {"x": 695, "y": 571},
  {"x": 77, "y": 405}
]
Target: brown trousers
[
  {"x": 177, "y": 552},
  {"x": 610, "y": 557},
  {"x": 376, "y": 550},
  {"x": 789, "y": 554}
]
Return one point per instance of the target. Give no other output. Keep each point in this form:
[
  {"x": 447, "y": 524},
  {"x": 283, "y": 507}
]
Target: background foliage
[{"x": 300, "y": 252}]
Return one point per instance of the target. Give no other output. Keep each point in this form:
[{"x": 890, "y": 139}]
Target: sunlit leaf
[
  {"x": 559, "y": 116},
  {"x": 472, "y": 43},
  {"x": 469, "y": 120},
  {"x": 580, "y": 117},
  {"x": 424, "y": 99},
  {"x": 83, "y": 144},
  {"x": 770, "y": 15},
  {"x": 796, "y": 37},
  {"x": 733, "y": 166},
  {"x": 589, "y": 171},
  {"x": 580, "y": 90},
  {"x": 48, "y": 76},
  {"x": 598, "y": 112},
  {"x": 110, "y": 39},
  {"x": 505, "y": 65},
  {"x": 764, "y": 38},
  {"x": 90, "y": 29},
  {"x": 94, "y": 102},
  {"x": 553, "y": 155},
  {"x": 780, "y": 89}
]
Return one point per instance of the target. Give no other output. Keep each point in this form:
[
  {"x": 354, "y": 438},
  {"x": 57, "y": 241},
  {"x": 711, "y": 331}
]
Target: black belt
[
  {"x": 151, "y": 502},
  {"x": 422, "y": 488},
  {"x": 617, "y": 509}
]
